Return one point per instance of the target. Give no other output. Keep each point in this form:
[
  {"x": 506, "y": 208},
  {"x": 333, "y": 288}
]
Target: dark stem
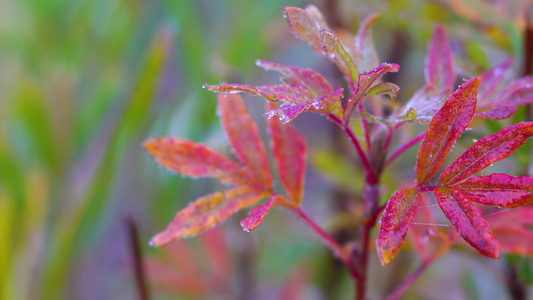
[
  {"x": 136, "y": 253},
  {"x": 372, "y": 210},
  {"x": 400, "y": 289},
  {"x": 515, "y": 286}
]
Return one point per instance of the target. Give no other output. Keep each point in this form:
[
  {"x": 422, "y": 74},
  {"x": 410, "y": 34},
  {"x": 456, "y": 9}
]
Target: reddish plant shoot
[{"x": 458, "y": 189}]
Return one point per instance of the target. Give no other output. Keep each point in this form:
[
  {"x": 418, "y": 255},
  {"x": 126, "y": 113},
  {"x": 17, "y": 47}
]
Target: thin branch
[
  {"x": 329, "y": 241},
  {"x": 404, "y": 147},
  {"x": 406, "y": 283},
  {"x": 137, "y": 257},
  {"x": 362, "y": 155}
]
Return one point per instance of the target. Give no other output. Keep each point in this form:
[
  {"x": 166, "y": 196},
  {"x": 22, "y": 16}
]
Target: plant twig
[
  {"x": 353, "y": 139},
  {"x": 404, "y": 147},
  {"x": 329, "y": 241},
  {"x": 406, "y": 283},
  {"x": 136, "y": 254}
]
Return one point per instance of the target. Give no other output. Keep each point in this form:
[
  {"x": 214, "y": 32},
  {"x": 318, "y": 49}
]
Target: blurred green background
[{"x": 83, "y": 83}]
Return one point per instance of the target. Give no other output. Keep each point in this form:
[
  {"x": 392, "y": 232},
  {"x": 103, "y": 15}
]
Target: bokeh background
[{"x": 83, "y": 83}]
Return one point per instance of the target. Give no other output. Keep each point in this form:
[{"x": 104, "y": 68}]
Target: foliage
[{"x": 448, "y": 112}]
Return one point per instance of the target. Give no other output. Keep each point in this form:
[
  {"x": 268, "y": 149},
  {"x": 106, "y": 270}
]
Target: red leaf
[
  {"x": 336, "y": 52},
  {"x": 516, "y": 216},
  {"x": 244, "y": 137},
  {"x": 300, "y": 78},
  {"x": 195, "y": 160},
  {"x": 486, "y": 151},
  {"x": 398, "y": 214},
  {"x": 468, "y": 221},
  {"x": 366, "y": 56},
  {"x": 256, "y": 216},
  {"x": 439, "y": 62},
  {"x": 289, "y": 150},
  {"x": 444, "y": 129},
  {"x": 270, "y": 92},
  {"x": 206, "y": 212},
  {"x": 258, "y": 213},
  {"x": 497, "y": 190},
  {"x": 428, "y": 241},
  {"x": 306, "y": 24},
  {"x": 366, "y": 80},
  {"x": 511, "y": 229},
  {"x": 514, "y": 239},
  {"x": 386, "y": 88}
]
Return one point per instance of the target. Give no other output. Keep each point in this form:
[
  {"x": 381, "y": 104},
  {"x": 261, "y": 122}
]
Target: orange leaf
[
  {"x": 195, "y": 160},
  {"x": 289, "y": 149},
  {"x": 206, "y": 212},
  {"x": 244, "y": 137}
]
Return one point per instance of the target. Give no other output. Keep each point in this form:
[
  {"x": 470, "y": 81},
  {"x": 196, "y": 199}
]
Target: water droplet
[
  {"x": 269, "y": 114},
  {"x": 246, "y": 229},
  {"x": 474, "y": 140}
]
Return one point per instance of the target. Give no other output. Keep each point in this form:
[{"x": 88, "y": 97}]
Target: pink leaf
[
  {"x": 244, "y": 136},
  {"x": 256, "y": 216},
  {"x": 491, "y": 80},
  {"x": 366, "y": 80},
  {"x": 468, "y": 221},
  {"x": 195, "y": 160},
  {"x": 289, "y": 149},
  {"x": 514, "y": 239},
  {"x": 366, "y": 56},
  {"x": 270, "y": 92},
  {"x": 497, "y": 190},
  {"x": 439, "y": 62},
  {"x": 398, "y": 214},
  {"x": 206, "y": 212},
  {"x": 300, "y": 78},
  {"x": 486, "y": 151},
  {"x": 517, "y": 216},
  {"x": 445, "y": 127}
]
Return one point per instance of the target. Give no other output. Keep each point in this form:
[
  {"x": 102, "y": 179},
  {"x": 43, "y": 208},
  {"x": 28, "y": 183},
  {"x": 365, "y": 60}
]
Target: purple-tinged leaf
[
  {"x": 256, "y": 216},
  {"x": 398, "y": 214},
  {"x": 427, "y": 239},
  {"x": 300, "y": 77},
  {"x": 244, "y": 137},
  {"x": 514, "y": 239},
  {"x": 306, "y": 24},
  {"x": 425, "y": 104},
  {"x": 287, "y": 112},
  {"x": 439, "y": 62},
  {"x": 504, "y": 104},
  {"x": 338, "y": 54},
  {"x": 522, "y": 216},
  {"x": 497, "y": 189},
  {"x": 270, "y": 92},
  {"x": 290, "y": 152},
  {"x": 366, "y": 80},
  {"x": 486, "y": 151},
  {"x": 366, "y": 57},
  {"x": 491, "y": 80},
  {"x": 206, "y": 212},
  {"x": 195, "y": 160},
  {"x": 444, "y": 129},
  {"x": 468, "y": 221}
]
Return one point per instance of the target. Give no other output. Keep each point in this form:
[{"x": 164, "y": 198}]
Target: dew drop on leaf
[{"x": 474, "y": 140}]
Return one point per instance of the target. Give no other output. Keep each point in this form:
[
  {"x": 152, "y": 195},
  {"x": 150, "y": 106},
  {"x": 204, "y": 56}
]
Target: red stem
[
  {"x": 400, "y": 289},
  {"x": 356, "y": 144},
  {"x": 329, "y": 241},
  {"x": 404, "y": 147}
]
